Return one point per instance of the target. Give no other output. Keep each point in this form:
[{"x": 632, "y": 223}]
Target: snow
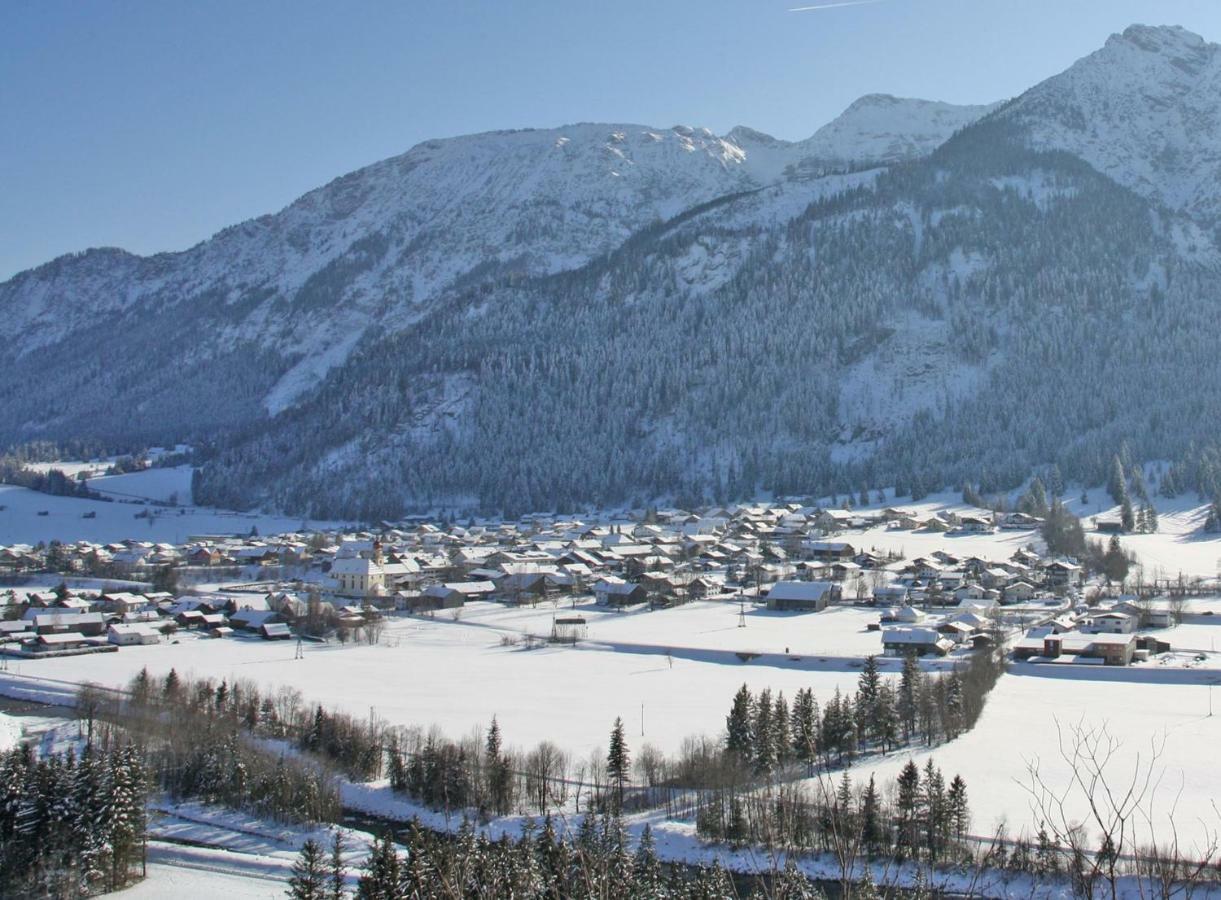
[
  {"x": 457, "y": 674},
  {"x": 1142, "y": 110},
  {"x": 194, "y": 874},
  {"x": 161, "y": 484},
  {"x": 1019, "y": 728},
  {"x": 20, "y": 521},
  {"x": 10, "y": 732}
]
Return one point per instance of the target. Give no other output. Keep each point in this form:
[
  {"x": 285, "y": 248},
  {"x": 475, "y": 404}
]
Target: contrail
[{"x": 819, "y": 6}]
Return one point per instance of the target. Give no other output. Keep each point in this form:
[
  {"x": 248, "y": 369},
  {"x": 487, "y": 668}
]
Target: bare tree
[{"x": 1100, "y": 798}]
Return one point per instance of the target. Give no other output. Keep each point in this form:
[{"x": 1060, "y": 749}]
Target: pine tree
[
  {"x": 906, "y": 808},
  {"x": 618, "y": 763},
  {"x": 867, "y": 691},
  {"x": 765, "y": 734},
  {"x": 959, "y": 813},
  {"x": 871, "y": 819},
  {"x": 1117, "y": 485},
  {"x": 908, "y": 705},
  {"x": 337, "y": 873},
  {"x": 309, "y": 878},
  {"x": 647, "y": 880},
  {"x": 1127, "y": 518},
  {"x": 382, "y": 873},
  {"x": 782, "y": 738},
  {"x": 804, "y": 728},
  {"x": 933, "y": 810},
  {"x": 739, "y": 742}
]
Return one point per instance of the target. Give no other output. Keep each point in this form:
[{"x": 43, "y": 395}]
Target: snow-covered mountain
[
  {"x": 372, "y": 249},
  {"x": 521, "y": 319},
  {"x": 1145, "y": 110}
]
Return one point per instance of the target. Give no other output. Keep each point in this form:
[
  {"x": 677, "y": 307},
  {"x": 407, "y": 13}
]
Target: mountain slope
[
  {"x": 252, "y": 319},
  {"x": 1145, "y": 110}
]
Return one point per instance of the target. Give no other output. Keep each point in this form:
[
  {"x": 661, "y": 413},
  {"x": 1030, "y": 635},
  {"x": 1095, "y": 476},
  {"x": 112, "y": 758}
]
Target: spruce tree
[
  {"x": 906, "y": 807},
  {"x": 308, "y": 880},
  {"x": 618, "y": 763},
  {"x": 739, "y": 742},
  {"x": 337, "y": 872}
]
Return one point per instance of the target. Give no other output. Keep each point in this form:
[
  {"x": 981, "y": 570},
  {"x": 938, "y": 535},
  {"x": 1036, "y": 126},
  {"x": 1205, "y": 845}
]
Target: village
[{"x": 566, "y": 580}]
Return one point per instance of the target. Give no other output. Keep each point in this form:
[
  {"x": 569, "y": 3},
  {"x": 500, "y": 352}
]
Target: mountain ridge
[{"x": 526, "y": 318}]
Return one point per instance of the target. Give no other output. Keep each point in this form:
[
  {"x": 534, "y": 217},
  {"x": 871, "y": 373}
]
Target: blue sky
[{"x": 151, "y": 125}]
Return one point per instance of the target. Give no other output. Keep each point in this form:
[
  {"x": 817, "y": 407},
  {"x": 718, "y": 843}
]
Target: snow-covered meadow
[
  {"x": 458, "y": 674},
  {"x": 28, "y": 517}
]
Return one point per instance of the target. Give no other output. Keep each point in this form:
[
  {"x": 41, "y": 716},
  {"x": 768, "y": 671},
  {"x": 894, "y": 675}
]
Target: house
[
  {"x": 1062, "y": 573},
  {"x": 894, "y": 594},
  {"x": 522, "y": 587},
  {"x": 920, "y": 641},
  {"x": 125, "y": 635},
  {"x": 1020, "y": 521},
  {"x": 88, "y": 624},
  {"x": 830, "y": 550},
  {"x": 975, "y": 525},
  {"x": 618, "y": 593},
  {"x": 1019, "y": 592},
  {"x": 275, "y": 631},
  {"x": 253, "y": 620},
  {"x": 1111, "y": 649},
  {"x": 803, "y": 596},
  {"x": 1112, "y": 622}
]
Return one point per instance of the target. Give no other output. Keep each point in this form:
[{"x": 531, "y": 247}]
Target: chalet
[
  {"x": 1019, "y": 521},
  {"x": 1111, "y": 622},
  {"x": 274, "y": 631},
  {"x": 252, "y": 620},
  {"x": 1062, "y": 573},
  {"x": 1019, "y": 592},
  {"x": 803, "y": 596},
  {"x": 89, "y": 624},
  {"x": 830, "y": 550},
  {"x": 618, "y": 593},
  {"x": 920, "y": 641},
  {"x": 522, "y": 587},
  {"x": 975, "y": 525},
  {"x": 891, "y": 594}
]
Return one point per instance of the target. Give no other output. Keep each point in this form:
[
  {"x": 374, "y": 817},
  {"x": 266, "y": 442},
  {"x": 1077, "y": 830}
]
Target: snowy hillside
[
  {"x": 372, "y": 249},
  {"x": 1145, "y": 110}
]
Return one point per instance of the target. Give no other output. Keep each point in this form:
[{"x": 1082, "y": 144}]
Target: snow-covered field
[
  {"x": 21, "y": 519},
  {"x": 163, "y": 485},
  {"x": 1019, "y": 729},
  {"x": 457, "y": 675}
]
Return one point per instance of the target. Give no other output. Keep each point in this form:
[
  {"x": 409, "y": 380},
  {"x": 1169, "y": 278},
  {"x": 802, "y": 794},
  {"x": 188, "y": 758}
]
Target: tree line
[{"x": 71, "y": 826}]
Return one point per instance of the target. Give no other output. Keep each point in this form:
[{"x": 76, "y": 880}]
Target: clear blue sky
[{"x": 151, "y": 125}]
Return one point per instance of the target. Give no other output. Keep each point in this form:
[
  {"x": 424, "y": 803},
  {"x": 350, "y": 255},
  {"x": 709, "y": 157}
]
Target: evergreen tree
[
  {"x": 309, "y": 874},
  {"x": 959, "y": 813},
  {"x": 647, "y": 880},
  {"x": 739, "y": 742},
  {"x": 804, "y": 727},
  {"x": 618, "y": 763},
  {"x": 382, "y": 873},
  {"x": 908, "y": 705},
  {"x": 906, "y": 809},
  {"x": 1115, "y": 562},
  {"x": 872, "y": 834},
  {"x": 337, "y": 873},
  {"x": 765, "y": 734}
]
